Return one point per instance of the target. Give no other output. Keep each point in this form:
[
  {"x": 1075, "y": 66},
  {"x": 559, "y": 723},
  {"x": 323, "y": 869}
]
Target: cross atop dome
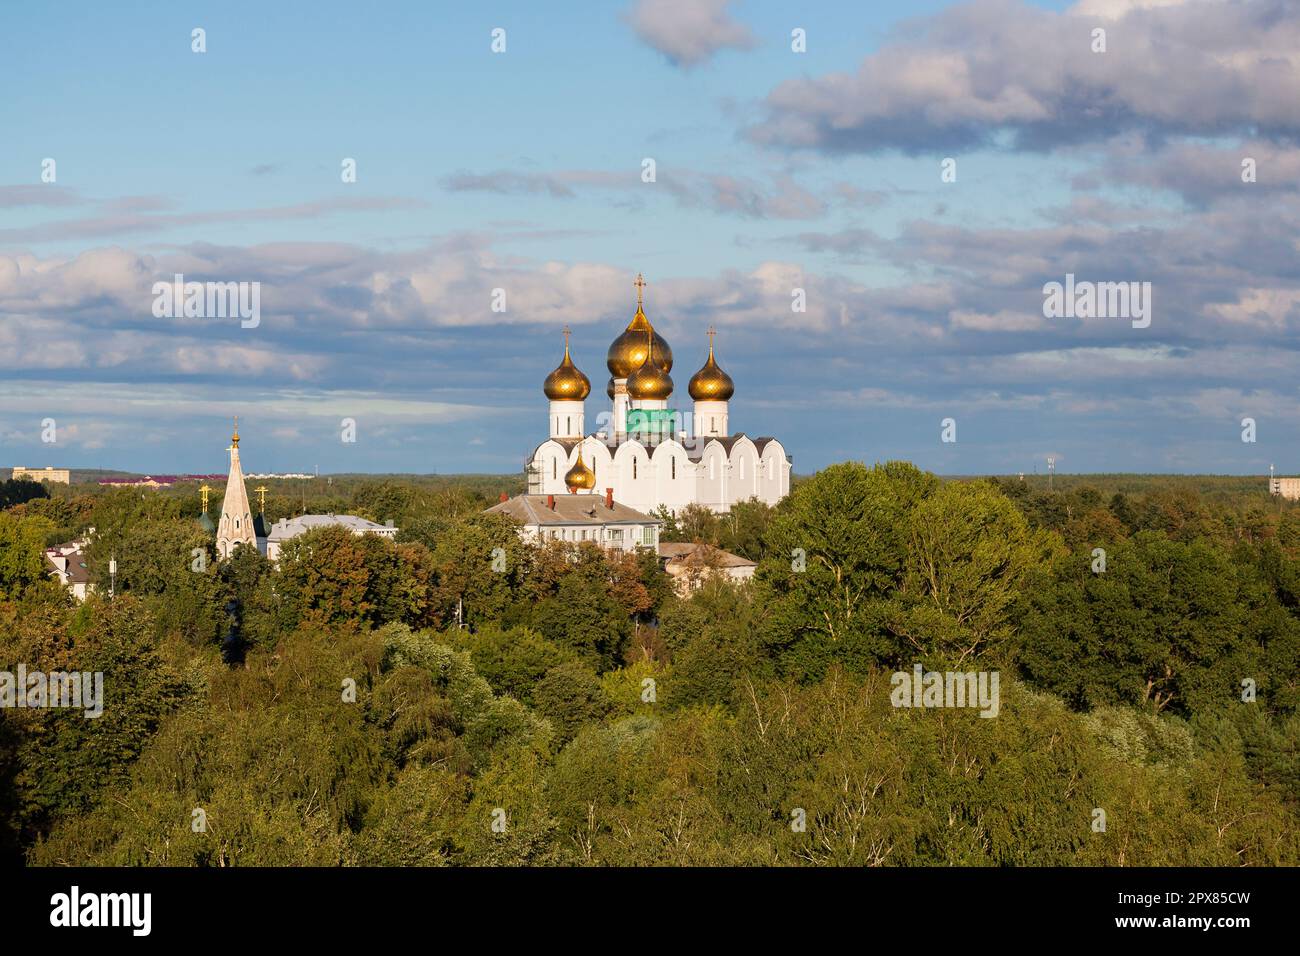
[{"x": 640, "y": 288}]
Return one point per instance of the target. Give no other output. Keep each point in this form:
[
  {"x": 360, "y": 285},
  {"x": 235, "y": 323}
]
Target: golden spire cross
[
  {"x": 235, "y": 437},
  {"x": 712, "y": 333},
  {"x": 640, "y": 288},
  {"x": 566, "y": 338},
  {"x": 261, "y": 498},
  {"x": 203, "y": 493}
]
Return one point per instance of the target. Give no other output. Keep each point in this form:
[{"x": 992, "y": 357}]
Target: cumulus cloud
[
  {"x": 977, "y": 74},
  {"x": 1199, "y": 172},
  {"x": 688, "y": 32}
]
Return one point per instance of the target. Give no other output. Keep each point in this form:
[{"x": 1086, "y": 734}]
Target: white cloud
[{"x": 688, "y": 32}]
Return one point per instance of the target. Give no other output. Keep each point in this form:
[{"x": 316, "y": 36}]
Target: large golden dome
[
  {"x": 566, "y": 383},
  {"x": 711, "y": 383},
  {"x": 580, "y": 476},
  {"x": 628, "y": 351},
  {"x": 650, "y": 381}
]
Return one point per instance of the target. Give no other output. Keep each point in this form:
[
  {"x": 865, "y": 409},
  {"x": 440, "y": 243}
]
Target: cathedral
[{"x": 645, "y": 452}]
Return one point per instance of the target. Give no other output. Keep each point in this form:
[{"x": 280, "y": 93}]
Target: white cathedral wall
[
  {"x": 711, "y": 419},
  {"x": 711, "y": 480},
  {"x": 600, "y": 461},
  {"x": 551, "y": 460},
  {"x": 741, "y": 475},
  {"x": 634, "y": 473},
  {"x": 776, "y": 473},
  {"x": 567, "y": 419},
  {"x": 717, "y": 481},
  {"x": 674, "y": 477}
]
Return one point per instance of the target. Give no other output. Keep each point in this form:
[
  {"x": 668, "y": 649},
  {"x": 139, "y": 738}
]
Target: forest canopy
[{"x": 416, "y": 702}]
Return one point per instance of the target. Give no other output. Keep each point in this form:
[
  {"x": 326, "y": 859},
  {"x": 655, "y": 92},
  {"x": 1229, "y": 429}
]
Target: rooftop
[
  {"x": 289, "y": 527},
  {"x": 570, "y": 509},
  {"x": 680, "y": 552}
]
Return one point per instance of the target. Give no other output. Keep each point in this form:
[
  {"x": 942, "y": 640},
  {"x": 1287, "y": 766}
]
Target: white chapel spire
[{"x": 236, "y": 525}]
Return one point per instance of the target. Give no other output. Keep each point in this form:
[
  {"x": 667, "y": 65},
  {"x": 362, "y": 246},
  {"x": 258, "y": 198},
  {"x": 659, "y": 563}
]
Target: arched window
[
  {"x": 555, "y": 467},
  {"x": 713, "y": 424},
  {"x": 568, "y": 425},
  {"x": 634, "y": 469},
  {"x": 674, "y": 461}
]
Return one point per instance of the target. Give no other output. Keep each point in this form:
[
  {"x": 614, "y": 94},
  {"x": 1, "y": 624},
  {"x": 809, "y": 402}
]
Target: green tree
[{"x": 835, "y": 552}]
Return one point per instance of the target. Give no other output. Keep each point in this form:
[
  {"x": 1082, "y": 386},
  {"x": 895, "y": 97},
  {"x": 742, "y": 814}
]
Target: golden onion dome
[
  {"x": 650, "y": 381},
  {"x": 566, "y": 383},
  {"x": 628, "y": 351},
  {"x": 711, "y": 383},
  {"x": 580, "y": 476}
]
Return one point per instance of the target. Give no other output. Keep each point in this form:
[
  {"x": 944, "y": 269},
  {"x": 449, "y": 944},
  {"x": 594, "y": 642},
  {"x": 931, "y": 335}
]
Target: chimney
[
  {"x": 609, "y": 498},
  {"x": 504, "y": 496},
  {"x": 550, "y": 502}
]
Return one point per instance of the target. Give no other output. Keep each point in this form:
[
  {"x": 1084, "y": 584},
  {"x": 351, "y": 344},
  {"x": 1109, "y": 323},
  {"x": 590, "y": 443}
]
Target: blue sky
[{"x": 775, "y": 170}]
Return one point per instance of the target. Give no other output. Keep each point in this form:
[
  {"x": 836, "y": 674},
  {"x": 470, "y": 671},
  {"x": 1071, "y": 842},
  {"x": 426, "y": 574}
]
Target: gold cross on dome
[
  {"x": 640, "y": 288},
  {"x": 565, "y": 330},
  {"x": 712, "y": 333}
]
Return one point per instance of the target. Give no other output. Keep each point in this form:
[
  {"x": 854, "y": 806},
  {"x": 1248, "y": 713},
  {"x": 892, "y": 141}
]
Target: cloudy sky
[{"x": 775, "y": 170}]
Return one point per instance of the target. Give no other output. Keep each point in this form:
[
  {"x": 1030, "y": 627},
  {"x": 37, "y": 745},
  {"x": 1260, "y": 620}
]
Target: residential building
[
  {"x": 288, "y": 528},
  {"x": 578, "y": 518}
]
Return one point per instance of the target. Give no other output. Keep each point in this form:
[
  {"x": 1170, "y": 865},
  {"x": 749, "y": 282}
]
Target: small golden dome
[
  {"x": 566, "y": 383},
  {"x": 579, "y": 476},
  {"x": 650, "y": 381},
  {"x": 609, "y": 389},
  {"x": 711, "y": 383},
  {"x": 628, "y": 351}
]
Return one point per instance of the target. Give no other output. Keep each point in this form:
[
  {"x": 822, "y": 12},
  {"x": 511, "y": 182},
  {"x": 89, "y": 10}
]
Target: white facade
[
  {"x": 568, "y": 419},
  {"x": 711, "y": 419},
  {"x": 716, "y": 472}
]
